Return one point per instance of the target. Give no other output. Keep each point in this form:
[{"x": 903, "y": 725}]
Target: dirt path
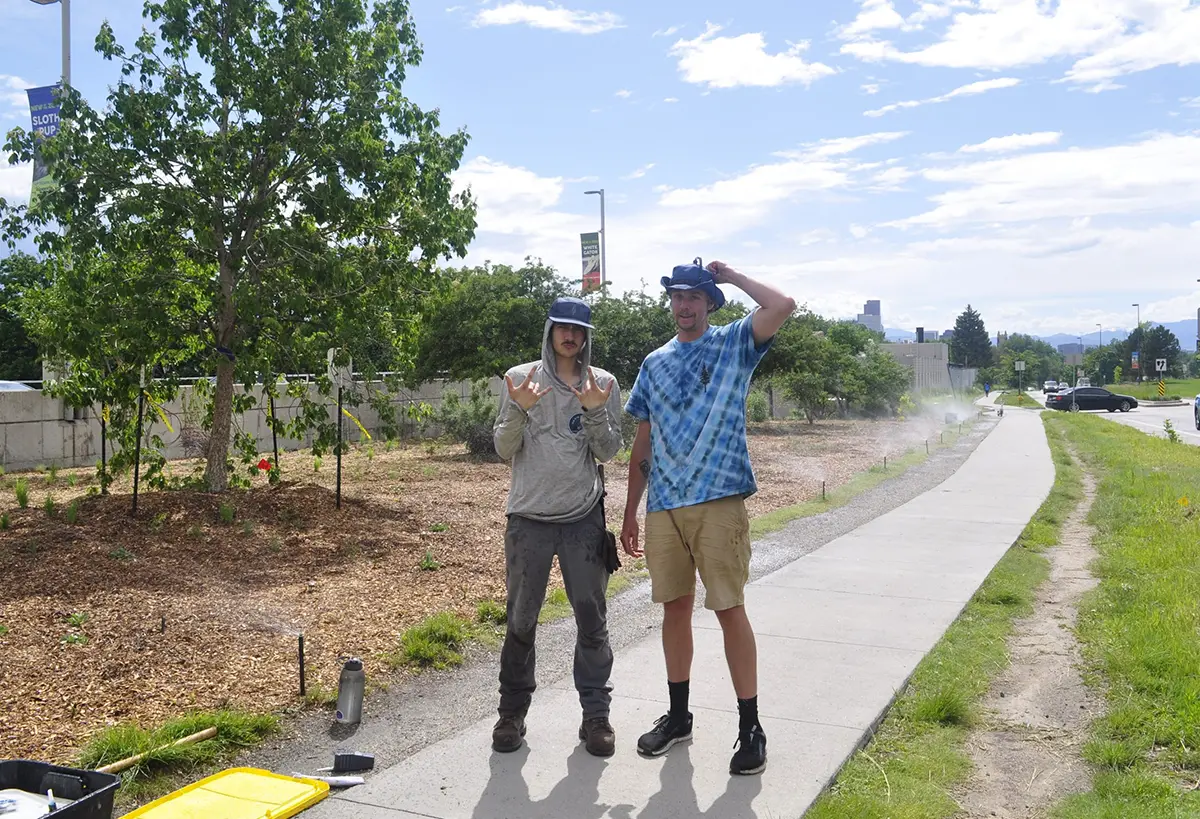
[{"x": 1027, "y": 756}]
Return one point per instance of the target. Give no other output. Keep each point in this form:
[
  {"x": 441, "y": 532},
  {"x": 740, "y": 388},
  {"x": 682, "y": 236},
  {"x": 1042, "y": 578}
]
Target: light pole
[
  {"x": 66, "y": 36},
  {"x": 1099, "y": 347},
  {"x": 603, "y": 237},
  {"x": 1138, "y": 326},
  {"x": 1075, "y": 392}
]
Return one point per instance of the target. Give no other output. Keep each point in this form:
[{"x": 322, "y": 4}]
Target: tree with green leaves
[
  {"x": 1152, "y": 341},
  {"x": 480, "y": 321},
  {"x": 1103, "y": 363},
  {"x": 258, "y": 180},
  {"x": 1042, "y": 361},
  {"x": 19, "y": 357},
  {"x": 970, "y": 345}
]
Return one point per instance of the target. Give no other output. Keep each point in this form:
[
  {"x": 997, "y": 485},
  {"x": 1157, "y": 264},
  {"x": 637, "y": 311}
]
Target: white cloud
[
  {"x": 667, "y": 32},
  {"x": 15, "y": 181},
  {"x": 1160, "y": 174},
  {"x": 1105, "y": 38},
  {"x": 859, "y": 232},
  {"x": 1194, "y": 102},
  {"x": 1013, "y": 142},
  {"x": 550, "y": 16},
  {"x": 892, "y": 178},
  {"x": 624, "y": 93},
  {"x": 1034, "y": 230},
  {"x": 671, "y": 99},
  {"x": 870, "y": 88},
  {"x": 873, "y": 16},
  {"x": 640, "y": 172},
  {"x": 14, "y": 103},
  {"x": 971, "y": 89},
  {"x": 510, "y": 199},
  {"x": 729, "y": 62}
]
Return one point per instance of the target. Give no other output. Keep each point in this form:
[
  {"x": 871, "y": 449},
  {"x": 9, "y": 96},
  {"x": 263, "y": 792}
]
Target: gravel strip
[{"x": 428, "y": 708}]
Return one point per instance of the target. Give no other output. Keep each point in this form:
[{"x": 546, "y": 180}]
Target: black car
[{"x": 1090, "y": 398}]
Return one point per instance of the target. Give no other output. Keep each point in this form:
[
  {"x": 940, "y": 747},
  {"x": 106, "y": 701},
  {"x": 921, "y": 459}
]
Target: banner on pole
[
  {"x": 43, "y": 110},
  {"x": 591, "y": 260},
  {"x": 1135, "y": 360}
]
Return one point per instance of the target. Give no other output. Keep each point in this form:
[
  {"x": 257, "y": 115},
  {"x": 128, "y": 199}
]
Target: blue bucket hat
[
  {"x": 569, "y": 310},
  {"x": 695, "y": 277}
]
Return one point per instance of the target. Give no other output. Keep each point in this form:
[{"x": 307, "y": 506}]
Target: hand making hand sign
[
  {"x": 592, "y": 396},
  {"x": 527, "y": 394}
]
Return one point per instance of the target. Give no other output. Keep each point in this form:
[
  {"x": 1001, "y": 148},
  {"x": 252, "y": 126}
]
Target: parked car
[
  {"x": 1090, "y": 398},
  {"x": 1083, "y": 382},
  {"x": 14, "y": 386},
  {"x": 1049, "y": 387}
]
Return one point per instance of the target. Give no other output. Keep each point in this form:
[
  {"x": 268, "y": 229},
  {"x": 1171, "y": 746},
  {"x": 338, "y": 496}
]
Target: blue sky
[{"x": 1038, "y": 159}]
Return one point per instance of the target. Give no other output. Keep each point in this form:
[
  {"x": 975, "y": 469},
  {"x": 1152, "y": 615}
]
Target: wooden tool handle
[{"x": 122, "y": 764}]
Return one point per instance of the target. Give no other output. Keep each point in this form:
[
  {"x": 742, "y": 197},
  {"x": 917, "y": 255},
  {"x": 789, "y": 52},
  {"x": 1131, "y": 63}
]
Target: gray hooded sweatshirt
[{"x": 555, "y": 446}]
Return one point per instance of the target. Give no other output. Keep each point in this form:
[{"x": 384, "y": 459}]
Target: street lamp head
[
  {"x": 45, "y": 2},
  {"x": 587, "y": 193}
]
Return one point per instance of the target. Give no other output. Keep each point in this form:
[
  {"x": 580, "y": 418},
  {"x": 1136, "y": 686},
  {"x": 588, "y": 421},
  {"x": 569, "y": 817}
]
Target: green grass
[
  {"x": 1148, "y": 390},
  {"x": 775, "y": 520},
  {"x": 1140, "y": 628},
  {"x": 917, "y": 757},
  {"x": 435, "y": 643},
  {"x": 21, "y": 490},
  {"x": 491, "y": 612},
  {"x": 152, "y": 776},
  {"x": 1018, "y": 399}
]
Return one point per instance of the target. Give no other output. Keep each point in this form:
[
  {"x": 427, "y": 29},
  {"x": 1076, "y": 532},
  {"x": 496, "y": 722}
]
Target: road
[{"x": 1150, "y": 419}]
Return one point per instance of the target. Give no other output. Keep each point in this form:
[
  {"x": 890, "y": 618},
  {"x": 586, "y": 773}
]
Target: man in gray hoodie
[{"x": 558, "y": 417}]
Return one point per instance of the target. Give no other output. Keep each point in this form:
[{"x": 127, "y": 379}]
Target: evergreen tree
[{"x": 970, "y": 345}]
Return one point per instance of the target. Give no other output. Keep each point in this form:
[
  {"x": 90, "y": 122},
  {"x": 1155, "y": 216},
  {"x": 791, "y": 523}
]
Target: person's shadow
[
  {"x": 676, "y": 796},
  {"x": 577, "y": 795}
]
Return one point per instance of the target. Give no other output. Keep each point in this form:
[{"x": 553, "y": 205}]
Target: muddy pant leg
[
  {"x": 528, "y": 553},
  {"x": 581, "y": 559}
]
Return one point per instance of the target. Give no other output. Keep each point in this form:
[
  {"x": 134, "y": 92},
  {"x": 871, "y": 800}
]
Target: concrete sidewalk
[{"x": 840, "y": 631}]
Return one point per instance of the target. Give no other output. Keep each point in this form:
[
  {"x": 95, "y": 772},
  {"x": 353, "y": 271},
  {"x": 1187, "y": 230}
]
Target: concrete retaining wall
[{"x": 38, "y": 430}]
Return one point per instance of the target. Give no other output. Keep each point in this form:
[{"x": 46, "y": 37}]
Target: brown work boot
[
  {"x": 598, "y": 736},
  {"x": 506, "y": 736}
]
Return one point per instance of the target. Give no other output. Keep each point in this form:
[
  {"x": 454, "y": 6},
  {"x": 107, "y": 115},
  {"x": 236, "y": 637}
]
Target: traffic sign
[
  {"x": 1020, "y": 366},
  {"x": 1160, "y": 364}
]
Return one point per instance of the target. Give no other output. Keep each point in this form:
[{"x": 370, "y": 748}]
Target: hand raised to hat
[
  {"x": 592, "y": 396},
  {"x": 721, "y": 272},
  {"x": 527, "y": 394}
]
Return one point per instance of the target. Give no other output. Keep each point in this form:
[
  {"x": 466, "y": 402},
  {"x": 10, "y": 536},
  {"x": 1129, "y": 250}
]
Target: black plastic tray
[{"x": 93, "y": 791}]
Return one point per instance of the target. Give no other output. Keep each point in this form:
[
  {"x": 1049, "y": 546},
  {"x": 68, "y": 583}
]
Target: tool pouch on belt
[{"x": 608, "y": 545}]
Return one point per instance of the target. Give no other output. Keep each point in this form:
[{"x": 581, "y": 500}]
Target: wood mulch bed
[{"x": 117, "y": 618}]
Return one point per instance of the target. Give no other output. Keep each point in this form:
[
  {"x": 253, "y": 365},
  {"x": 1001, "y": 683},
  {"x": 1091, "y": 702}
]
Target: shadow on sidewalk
[
  {"x": 577, "y": 795},
  {"x": 676, "y": 797}
]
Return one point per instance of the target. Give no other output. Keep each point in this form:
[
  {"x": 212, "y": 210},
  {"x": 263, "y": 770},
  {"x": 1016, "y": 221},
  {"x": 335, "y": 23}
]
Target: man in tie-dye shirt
[{"x": 690, "y": 401}]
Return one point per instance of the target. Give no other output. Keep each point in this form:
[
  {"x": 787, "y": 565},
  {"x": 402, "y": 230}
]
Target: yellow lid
[{"x": 238, "y": 793}]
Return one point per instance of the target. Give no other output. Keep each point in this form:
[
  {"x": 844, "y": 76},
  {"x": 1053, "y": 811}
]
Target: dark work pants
[{"x": 529, "y": 549}]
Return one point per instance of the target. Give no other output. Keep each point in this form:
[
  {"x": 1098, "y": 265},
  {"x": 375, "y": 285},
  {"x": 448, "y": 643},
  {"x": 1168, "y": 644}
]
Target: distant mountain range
[{"x": 1184, "y": 330}]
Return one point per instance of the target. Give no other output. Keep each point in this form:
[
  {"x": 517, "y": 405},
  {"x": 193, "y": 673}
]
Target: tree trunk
[{"x": 216, "y": 473}]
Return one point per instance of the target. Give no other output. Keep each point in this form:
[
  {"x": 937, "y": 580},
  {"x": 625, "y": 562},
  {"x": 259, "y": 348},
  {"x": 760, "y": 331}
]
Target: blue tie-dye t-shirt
[{"x": 694, "y": 396}]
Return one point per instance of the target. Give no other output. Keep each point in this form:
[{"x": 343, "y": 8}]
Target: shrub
[
  {"x": 758, "y": 408},
  {"x": 470, "y": 422}
]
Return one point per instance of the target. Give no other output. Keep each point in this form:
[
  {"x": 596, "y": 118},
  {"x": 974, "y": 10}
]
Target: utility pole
[
  {"x": 603, "y": 238},
  {"x": 1138, "y": 326}
]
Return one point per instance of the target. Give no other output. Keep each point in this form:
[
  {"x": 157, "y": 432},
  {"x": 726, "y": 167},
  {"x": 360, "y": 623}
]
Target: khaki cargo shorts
[{"x": 712, "y": 538}]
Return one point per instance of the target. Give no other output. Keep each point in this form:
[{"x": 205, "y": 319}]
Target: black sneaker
[
  {"x": 508, "y": 733},
  {"x": 751, "y": 756},
  {"x": 667, "y": 731}
]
